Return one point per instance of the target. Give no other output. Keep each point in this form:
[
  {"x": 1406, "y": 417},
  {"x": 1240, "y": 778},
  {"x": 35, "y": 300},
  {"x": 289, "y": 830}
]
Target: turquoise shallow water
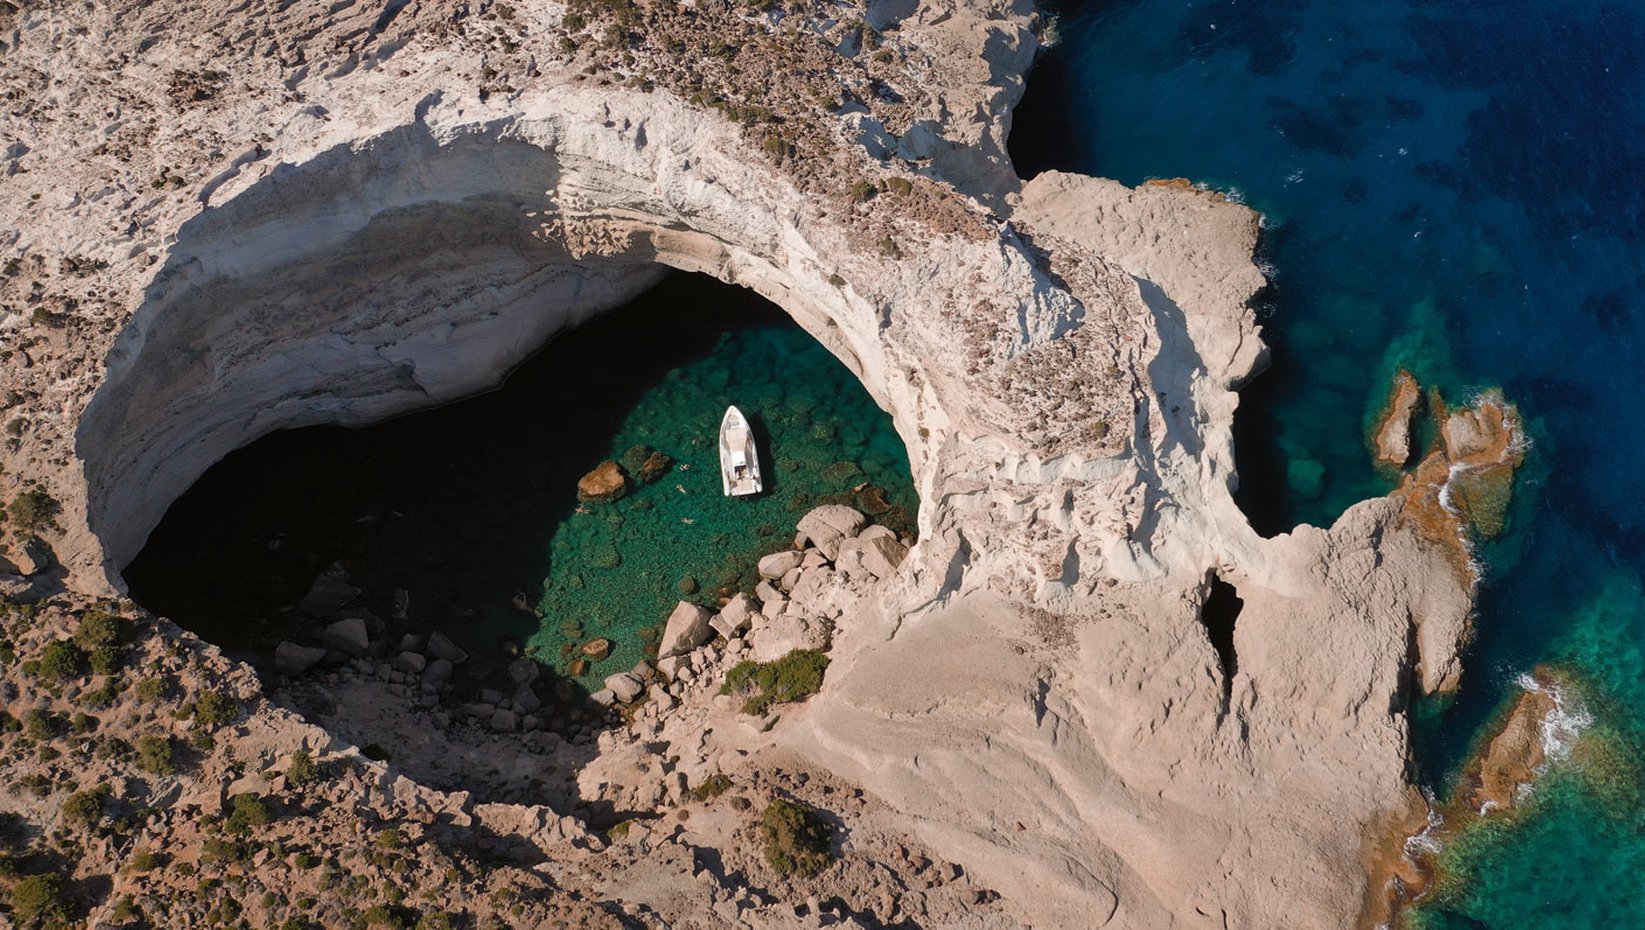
[
  {"x": 1460, "y": 188},
  {"x": 471, "y": 505}
]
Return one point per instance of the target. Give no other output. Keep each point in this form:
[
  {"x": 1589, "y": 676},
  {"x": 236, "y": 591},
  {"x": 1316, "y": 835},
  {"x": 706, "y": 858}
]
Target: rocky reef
[{"x": 300, "y": 213}]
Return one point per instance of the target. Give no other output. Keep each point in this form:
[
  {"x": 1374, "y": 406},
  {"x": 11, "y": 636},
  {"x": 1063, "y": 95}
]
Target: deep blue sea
[{"x": 1457, "y": 187}]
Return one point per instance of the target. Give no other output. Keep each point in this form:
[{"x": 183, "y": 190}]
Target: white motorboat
[{"x": 739, "y": 460}]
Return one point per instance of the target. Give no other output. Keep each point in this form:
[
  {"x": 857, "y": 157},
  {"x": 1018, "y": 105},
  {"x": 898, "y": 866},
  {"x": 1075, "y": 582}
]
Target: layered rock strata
[{"x": 306, "y": 213}]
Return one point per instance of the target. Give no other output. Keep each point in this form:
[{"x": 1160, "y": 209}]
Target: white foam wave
[{"x": 1563, "y": 725}]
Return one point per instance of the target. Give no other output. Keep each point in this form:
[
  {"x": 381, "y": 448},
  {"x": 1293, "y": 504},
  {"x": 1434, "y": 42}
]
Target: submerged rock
[
  {"x": 597, "y": 649},
  {"x": 655, "y": 466},
  {"x": 440, "y": 646},
  {"x": 604, "y": 483}
]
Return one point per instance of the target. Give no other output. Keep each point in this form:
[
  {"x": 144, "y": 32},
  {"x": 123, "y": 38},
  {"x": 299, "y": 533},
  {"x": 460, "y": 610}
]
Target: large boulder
[
  {"x": 440, "y": 646},
  {"x": 687, "y": 628},
  {"x": 293, "y": 659},
  {"x": 347, "y": 636},
  {"x": 331, "y": 591},
  {"x": 778, "y": 564},
  {"x": 597, "y": 649},
  {"x": 624, "y": 686},
  {"x": 437, "y": 673},
  {"x": 524, "y": 670},
  {"x": 604, "y": 483},
  {"x": 412, "y": 663},
  {"x": 882, "y": 553},
  {"x": 828, "y": 525},
  {"x": 33, "y": 557}
]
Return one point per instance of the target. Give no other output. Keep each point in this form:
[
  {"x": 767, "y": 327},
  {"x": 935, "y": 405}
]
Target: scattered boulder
[
  {"x": 624, "y": 686},
  {"x": 578, "y": 667},
  {"x": 597, "y": 649},
  {"x": 643, "y": 670},
  {"x": 293, "y": 659},
  {"x": 347, "y": 636},
  {"x": 778, "y": 564},
  {"x": 604, "y": 483},
  {"x": 881, "y": 554},
  {"x": 655, "y": 466},
  {"x": 33, "y": 557},
  {"x": 687, "y": 628},
  {"x": 524, "y": 670},
  {"x": 437, "y": 673},
  {"x": 734, "y": 617},
  {"x": 826, "y": 526},
  {"x": 412, "y": 663},
  {"x": 1392, "y": 435},
  {"x": 669, "y": 666},
  {"x": 441, "y": 647},
  {"x": 503, "y": 721},
  {"x": 767, "y": 593},
  {"x": 331, "y": 591},
  {"x": 604, "y": 697}
]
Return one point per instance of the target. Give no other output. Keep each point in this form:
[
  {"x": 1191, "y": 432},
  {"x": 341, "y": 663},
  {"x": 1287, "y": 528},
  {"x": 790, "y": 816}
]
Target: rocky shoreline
[{"x": 355, "y": 213}]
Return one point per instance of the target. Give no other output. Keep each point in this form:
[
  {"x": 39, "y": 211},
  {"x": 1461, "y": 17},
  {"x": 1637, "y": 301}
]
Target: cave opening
[
  {"x": 1218, "y": 615},
  {"x": 465, "y": 520}
]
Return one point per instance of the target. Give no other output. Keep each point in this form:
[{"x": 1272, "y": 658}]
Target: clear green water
[{"x": 470, "y": 505}]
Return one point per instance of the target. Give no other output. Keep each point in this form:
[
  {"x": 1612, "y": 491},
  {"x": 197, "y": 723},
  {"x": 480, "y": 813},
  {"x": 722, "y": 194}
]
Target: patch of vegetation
[
  {"x": 864, "y": 190},
  {"x": 712, "y": 787},
  {"x": 302, "y": 770},
  {"x": 792, "y": 677},
  {"x": 796, "y": 838},
  {"x": 85, "y": 808},
  {"x": 40, "y": 901},
  {"x": 212, "y": 709},
  {"x": 153, "y": 690},
  {"x": 60, "y": 661},
  {"x": 32, "y": 511},
  {"x": 154, "y": 755},
  {"x": 248, "y": 811},
  {"x": 143, "y": 860}
]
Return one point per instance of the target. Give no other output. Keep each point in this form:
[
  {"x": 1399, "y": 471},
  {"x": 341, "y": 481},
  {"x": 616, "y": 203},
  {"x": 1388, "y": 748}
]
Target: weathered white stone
[
  {"x": 687, "y": 628},
  {"x": 411, "y": 663},
  {"x": 778, "y": 564},
  {"x": 624, "y": 686},
  {"x": 827, "y": 525}
]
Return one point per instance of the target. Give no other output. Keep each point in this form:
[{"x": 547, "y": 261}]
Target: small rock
[
  {"x": 33, "y": 557},
  {"x": 441, "y": 647},
  {"x": 643, "y": 670},
  {"x": 604, "y": 697},
  {"x": 524, "y": 670},
  {"x": 597, "y": 649},
  {"x": 881, "y": 554},
  {"x": 790, "y": 579},
  {"x": 604, "y": 483},
  {"x": 778, "y": 564},
  {"x": 624, "y": 686},
  {"x": 503, "y": 721},
  {"x": 411, "y": 663},
  {"x": 292, "y": 659},
  {"x": 437, "y": 673},
  {"x": 655, "y": 466},
  {"x": 578, "y": 667},
  {"x": 768, "y": 594},
  {"x": 491, "y": 696},
  {"x": 347, "y": 636}
]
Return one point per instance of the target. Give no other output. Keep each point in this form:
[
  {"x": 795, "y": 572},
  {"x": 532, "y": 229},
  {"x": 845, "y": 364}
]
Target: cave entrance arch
[{"x": 410, "y": 271}]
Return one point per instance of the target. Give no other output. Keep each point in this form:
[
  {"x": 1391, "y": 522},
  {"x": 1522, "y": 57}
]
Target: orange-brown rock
[
  {"x": 1511, "y": 758},
  {"x": 1392, "y": 435},
  {"x": 604, "y": 483},
  {"x": 1464, "y": 484}
]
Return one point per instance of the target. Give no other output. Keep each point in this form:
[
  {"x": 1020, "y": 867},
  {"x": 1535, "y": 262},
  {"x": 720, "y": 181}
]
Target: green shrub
[
  {"x": 60, "y": 661},
  {"x": 40, "y": 901},
  {"x": 247, "y": 811},
  {"x": 98, "y": 628},
  {"x": 436, "y": 920},
  {"x": 212, "y": 709},
  {"x": 143, "y": 860},
  {"x": 712, "y": 787},
  {"x": 154, "y": 755},
  {"x": 153, "y": 690},
  {"x": 302, "y": 770},
  {"x": 863, "y": 190},
  {"x": 32, "y": 511},
  {"x": 40, "y": 725},
  {"x": 796, "y": 838},
  {"x": 218, "y": 850},
  {"x": 85, "y": 808},
  {"x": 792, "y": 677}
]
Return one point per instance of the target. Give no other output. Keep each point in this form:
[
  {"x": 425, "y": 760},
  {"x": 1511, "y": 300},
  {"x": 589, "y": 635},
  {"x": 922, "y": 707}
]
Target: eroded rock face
[{"x": 356, "y": 230}]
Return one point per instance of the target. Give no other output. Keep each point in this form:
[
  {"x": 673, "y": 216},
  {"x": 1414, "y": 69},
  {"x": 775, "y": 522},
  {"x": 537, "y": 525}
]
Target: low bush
[
  {"x": 248, "y": 811},
  {"x": 40, "y": 901},
  {"x": 796, "y": 838},
  {"x": 712, "y": 787},
  {"x": 795, "y": 676},
  {"x": 154, "y": 755}
]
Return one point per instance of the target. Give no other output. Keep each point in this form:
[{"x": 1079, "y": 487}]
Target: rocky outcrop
[
  {"x": 604, "y": 483},
  {"x": 357, "y": 213},
  {"x": 1391, "y": 435}
]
